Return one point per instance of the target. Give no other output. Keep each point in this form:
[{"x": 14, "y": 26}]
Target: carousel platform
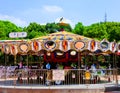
[
  {"x": 15, "y": 85},
  {"x": 5, "y": 87}
]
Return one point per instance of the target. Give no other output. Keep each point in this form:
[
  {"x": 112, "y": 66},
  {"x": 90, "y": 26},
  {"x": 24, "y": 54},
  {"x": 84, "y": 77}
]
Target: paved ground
[{"x": 8, "y": 87}]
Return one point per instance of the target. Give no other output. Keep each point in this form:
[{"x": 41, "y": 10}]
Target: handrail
[{"x": 39, "y": 77}]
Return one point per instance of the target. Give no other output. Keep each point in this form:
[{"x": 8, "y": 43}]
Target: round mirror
[{"x": 50, "y": 45}]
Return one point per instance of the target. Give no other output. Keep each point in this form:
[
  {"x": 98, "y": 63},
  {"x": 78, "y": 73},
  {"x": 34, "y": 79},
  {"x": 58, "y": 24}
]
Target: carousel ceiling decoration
[
  {"x": 63, "y": 35},
  {"x": 23, "y": 47},
  {"x": 64, "y": 45},
  {"x": 118, "y": 49},
  {"x": 59, "y": 53},
  {"x": 36, "y": 46},
  {"x": 50, "y": 45},
  {"x": 104, "y": 45},
  {"x": 79, "y": 45},
  {"x": 6, "y": 48},
  {"x": 13, "y": 49},
  {"x": 92, "y": 46},
  {"x": 113, "y": 47},
  {"x": 73, "y": 52},
  {"x": 63, "y": 41}
]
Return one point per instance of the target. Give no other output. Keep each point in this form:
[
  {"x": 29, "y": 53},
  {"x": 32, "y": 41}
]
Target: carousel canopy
[{"x": 62, "y": 41}]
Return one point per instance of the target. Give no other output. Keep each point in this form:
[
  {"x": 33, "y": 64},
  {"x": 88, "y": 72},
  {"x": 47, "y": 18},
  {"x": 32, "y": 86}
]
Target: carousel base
[{"x": 85, "y": 88}]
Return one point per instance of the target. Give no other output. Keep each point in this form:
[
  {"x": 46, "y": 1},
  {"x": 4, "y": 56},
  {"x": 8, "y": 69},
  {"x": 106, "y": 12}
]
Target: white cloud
[
  {"x": 14, "y": 20},
  {"x": 52, "y": 9}
]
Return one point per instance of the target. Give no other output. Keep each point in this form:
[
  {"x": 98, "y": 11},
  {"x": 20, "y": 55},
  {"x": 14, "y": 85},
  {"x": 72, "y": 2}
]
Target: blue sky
[{"x": 22, "y": 12}]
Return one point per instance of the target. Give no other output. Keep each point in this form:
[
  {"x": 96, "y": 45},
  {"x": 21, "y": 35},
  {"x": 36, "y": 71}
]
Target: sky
[{"x": 23, "y": 12}]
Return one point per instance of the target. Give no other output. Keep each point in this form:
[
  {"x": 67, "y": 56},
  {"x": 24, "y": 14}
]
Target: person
[
  {"x": 109, "y": 66},
  {"x": 20, "y": 65},
  {"x": 93, "y": 68}
]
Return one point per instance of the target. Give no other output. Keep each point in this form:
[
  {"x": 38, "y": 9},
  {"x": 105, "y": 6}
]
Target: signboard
[
  {"x": 58, "y": 75},
  {"x": 17, "y": 34}
]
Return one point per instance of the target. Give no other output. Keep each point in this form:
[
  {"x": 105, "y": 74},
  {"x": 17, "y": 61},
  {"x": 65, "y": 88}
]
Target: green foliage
[
  {"x": 108, "y": 30},
  {"x": 79, "y": 28},
  {"x": 6, "y": 27},
  {"x": 34, "y": 30},
  {"x": 97, "y": 30},
  {"x": 113, "y": 30},
  {"x": 52, "y": 27}
]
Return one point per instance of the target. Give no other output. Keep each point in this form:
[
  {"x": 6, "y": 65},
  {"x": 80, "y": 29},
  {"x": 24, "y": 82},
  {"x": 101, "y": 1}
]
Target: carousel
[
  {"x": 60, "y": 47},
  {"x": 67, "y": 49},
  {"x": 75, "y": 53}
]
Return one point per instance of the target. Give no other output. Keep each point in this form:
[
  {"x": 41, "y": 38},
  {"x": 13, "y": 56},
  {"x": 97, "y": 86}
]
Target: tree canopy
[
  {"x": 108, "y": 30},
  {"x": 100, "y": 30}
]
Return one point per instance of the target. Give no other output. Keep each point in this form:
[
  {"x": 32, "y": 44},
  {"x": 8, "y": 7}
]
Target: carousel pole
[
  {"x": 5, "y": 59},
  {"x": 15, "y": 60},
  {"x": 5, "y": 65},
  {"x": 116, "y": 73},
  {"x": 79, "y": 60},
  {"x": 113, "y": 65},
  {"x": 27, "y": 60},
  {"x": 79, "y": 66}
]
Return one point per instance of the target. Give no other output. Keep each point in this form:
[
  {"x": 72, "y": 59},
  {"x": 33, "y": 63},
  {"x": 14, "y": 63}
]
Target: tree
[
  {"x": 113, "y": 30},
  {"x": 97, "y": 31},
  {"x": 6, "y": 27},
  {"x": 79, "y": 28},
  {"x": 34, "y": 30}
]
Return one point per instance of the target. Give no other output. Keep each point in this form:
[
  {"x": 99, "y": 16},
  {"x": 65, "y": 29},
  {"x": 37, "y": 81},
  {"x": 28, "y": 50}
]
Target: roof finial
[{"x": 61, "y": 19}]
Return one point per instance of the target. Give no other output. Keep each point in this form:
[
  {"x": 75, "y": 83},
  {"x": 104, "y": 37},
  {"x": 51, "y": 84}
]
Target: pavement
[{"x": 103, "y": 88}]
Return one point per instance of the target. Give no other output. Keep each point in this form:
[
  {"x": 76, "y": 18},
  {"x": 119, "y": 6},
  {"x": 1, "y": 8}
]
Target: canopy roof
[
  {"x": 63, "y": 35},
  {"x": 62, "y": 41}
]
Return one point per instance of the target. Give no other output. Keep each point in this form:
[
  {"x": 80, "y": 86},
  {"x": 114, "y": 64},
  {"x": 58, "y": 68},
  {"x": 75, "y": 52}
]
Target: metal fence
[
  {"x": 118, "y": 75},
  {"x": 58, "y": 77}
]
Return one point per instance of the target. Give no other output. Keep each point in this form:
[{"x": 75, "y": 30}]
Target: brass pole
[
  {"x": 27, "y": 59},
  {"x": 79, "y": 59},
  {"x": 79, "y": 66},
  {"x": 14, "y": 59},
  {"x": 116, "y": 74},
  {"x": 113, "y": 68},
  {"x": 5, "y": 66}
]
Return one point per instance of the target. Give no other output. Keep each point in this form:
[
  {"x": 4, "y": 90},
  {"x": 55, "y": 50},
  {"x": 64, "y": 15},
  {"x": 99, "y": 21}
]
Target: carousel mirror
[
  {"x": 23, "y": 47},
  {"x": 104, "y": 45},
  {"x": 79, "y": 45},
  {"x": 50, "y": 45}
]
